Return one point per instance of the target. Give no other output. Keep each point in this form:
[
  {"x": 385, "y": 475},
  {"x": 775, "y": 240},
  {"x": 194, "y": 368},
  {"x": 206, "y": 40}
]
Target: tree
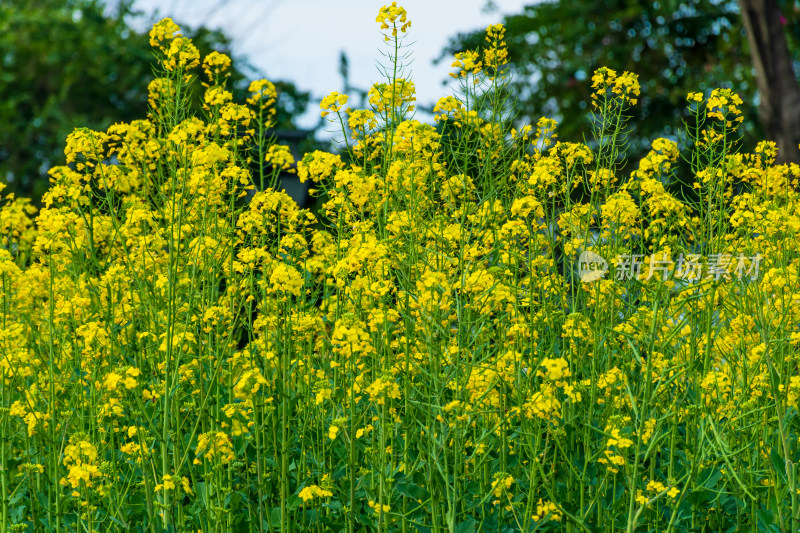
[
  {"x": 675, "y": 46},
  {"x": 71, "y": 63},
  {"x": 779, "y": 92}
]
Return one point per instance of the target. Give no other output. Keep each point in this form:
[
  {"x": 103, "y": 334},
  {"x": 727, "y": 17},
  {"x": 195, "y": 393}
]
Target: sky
[{"x": 301, "y": 40}]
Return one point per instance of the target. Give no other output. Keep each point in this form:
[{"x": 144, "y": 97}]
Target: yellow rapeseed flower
[
  {"x": 389, "y": 16},
  {"x": 216, "y": 64},
  {"x": 162, "y": 32},
  {"x": 332, "y": 103}
]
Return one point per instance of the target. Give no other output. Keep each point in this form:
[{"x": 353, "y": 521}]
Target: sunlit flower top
[
  {"x": 609, "y": 87},
  {"x": 332, "y": 103},
  {"x": 162, "y": 33},
  {"x": 216, "y": 64},
  {"x": 389, "y": 16}
]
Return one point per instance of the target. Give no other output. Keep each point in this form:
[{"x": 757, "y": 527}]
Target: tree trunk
[{"x": 778, "y": 89}]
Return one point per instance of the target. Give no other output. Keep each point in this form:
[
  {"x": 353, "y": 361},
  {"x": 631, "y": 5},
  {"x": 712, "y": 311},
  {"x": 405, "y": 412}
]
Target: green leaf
[
  {"x": 778, "y": 464},
  {"x": 469, "y": 526},
  {"x": 412, "y": 491}
]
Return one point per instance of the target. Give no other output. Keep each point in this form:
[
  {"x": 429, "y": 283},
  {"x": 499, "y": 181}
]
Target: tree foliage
[
  {"x": 675, "y": 47},
  {"x": 69, "y": 63},
  {"x": 778, "y": 88}
]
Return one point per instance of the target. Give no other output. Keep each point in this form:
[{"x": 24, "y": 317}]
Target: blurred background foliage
[
  {"x": 79, "y": 63},
  {"x": 675, "y": 47}
]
